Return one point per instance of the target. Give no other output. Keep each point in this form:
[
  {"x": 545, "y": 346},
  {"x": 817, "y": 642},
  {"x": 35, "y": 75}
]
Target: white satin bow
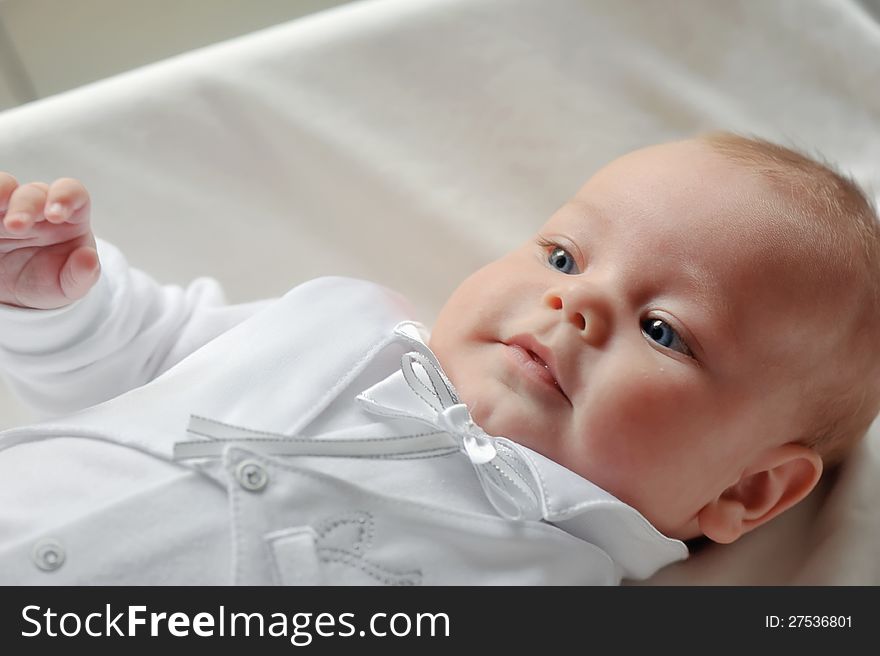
[{"x": 505, "y": 475}]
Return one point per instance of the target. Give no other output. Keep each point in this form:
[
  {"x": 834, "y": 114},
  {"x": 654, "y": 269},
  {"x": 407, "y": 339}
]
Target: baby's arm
[{"x": 73, "y": 331}]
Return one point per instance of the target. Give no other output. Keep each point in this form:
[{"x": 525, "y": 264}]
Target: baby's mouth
[
  {"x": 537, "y": 359},
  {"x": 534, "y": 364}
]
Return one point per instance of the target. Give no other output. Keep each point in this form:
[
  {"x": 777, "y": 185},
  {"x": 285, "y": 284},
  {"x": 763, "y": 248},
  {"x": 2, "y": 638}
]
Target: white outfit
[{"x": 298, "y": 441}]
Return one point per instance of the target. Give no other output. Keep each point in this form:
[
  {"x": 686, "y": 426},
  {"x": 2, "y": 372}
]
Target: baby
[
  {"x": 692, "y": 332},
  {"x": 702, "y": 317}
]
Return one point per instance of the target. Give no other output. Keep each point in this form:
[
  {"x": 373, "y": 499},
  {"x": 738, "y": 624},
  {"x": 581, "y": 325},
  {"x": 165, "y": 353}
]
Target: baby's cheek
[{"x": 642, "y": 418}]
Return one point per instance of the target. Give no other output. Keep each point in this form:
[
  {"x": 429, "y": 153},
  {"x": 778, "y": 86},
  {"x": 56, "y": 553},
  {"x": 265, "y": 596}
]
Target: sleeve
[{"x": 126, "y": 331}]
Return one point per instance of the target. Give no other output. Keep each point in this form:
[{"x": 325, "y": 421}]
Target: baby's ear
[{"x": 778, "y": 479}]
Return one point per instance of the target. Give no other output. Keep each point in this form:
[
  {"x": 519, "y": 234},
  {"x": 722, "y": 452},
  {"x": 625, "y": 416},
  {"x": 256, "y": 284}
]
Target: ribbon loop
[{"x": 437, "y": 391}]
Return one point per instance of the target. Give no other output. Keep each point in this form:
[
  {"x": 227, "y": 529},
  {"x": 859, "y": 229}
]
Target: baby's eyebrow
[
  {"x": 590, "y": 212},
  {"x": 585, "y": 222},
  {"x": 718, "y": 310},
  {"x": 700, "y": 280}
]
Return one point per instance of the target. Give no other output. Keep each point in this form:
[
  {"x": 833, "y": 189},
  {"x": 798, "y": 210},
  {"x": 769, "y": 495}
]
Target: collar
[{"x": 554, "y": 493}]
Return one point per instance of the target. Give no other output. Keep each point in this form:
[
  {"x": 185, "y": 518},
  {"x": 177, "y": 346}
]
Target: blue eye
[
  {"x": 665, "y": 335},
  {"x": 561, "y": 259}
]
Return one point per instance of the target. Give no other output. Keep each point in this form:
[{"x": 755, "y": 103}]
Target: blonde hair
[{"x": 841, "y": 220}]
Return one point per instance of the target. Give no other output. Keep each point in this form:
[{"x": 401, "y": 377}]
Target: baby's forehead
[
  {"x": 754, "y": 227},
  {"x": 729, "y": 215}
]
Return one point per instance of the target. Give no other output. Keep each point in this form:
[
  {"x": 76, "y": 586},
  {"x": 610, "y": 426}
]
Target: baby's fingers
[
  {"x": 8, "y": 184},
  {"x": 25, "y": 206},
  {"x": 67, "y": 200},
  {"x": 79, "y": 273}
]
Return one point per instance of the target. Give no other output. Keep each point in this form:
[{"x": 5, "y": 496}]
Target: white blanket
[{"x": 409, "y": 141}]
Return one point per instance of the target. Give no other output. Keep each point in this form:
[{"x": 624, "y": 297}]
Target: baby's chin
[
  {"x": 494, "y": 407},
  {"x": 502, "y": 415}
]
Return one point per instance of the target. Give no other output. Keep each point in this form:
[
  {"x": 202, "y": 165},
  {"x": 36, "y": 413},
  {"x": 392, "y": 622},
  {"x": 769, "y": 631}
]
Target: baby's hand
[{"x": 47, "y": 250}]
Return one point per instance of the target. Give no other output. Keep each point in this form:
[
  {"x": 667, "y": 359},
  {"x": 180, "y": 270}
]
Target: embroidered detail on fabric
[
  {"x": 215, "y": 436},
  {"x": 279, "y": 437},
  {"x": 284, "y": 436},
  {"x": 548, "y": 501},
  {"x": 509, "y": 458},
  {"x": 345, "y": 538}
]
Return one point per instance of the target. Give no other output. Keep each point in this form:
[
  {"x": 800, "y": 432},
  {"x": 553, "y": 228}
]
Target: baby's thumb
[{"x": 79, "y": 272}]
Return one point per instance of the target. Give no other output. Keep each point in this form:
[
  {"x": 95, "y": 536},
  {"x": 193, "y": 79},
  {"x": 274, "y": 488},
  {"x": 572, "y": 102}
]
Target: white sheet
[{"x": 409, "y": 141}]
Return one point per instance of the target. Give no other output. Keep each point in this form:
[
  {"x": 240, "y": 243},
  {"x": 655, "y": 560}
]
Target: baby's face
[{"x": 649, "y": 337}]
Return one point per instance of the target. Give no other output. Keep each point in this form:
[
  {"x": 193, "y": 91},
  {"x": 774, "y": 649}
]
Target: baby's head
[{"x": 694, "y": 332}]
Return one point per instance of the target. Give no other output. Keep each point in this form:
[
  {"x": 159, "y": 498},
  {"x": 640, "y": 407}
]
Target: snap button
[
  {"x": 48, "y": 555},
  {"x": 251, "y": 475}
]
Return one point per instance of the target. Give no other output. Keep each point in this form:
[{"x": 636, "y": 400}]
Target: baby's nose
[{"x": 587, "y": 313}]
